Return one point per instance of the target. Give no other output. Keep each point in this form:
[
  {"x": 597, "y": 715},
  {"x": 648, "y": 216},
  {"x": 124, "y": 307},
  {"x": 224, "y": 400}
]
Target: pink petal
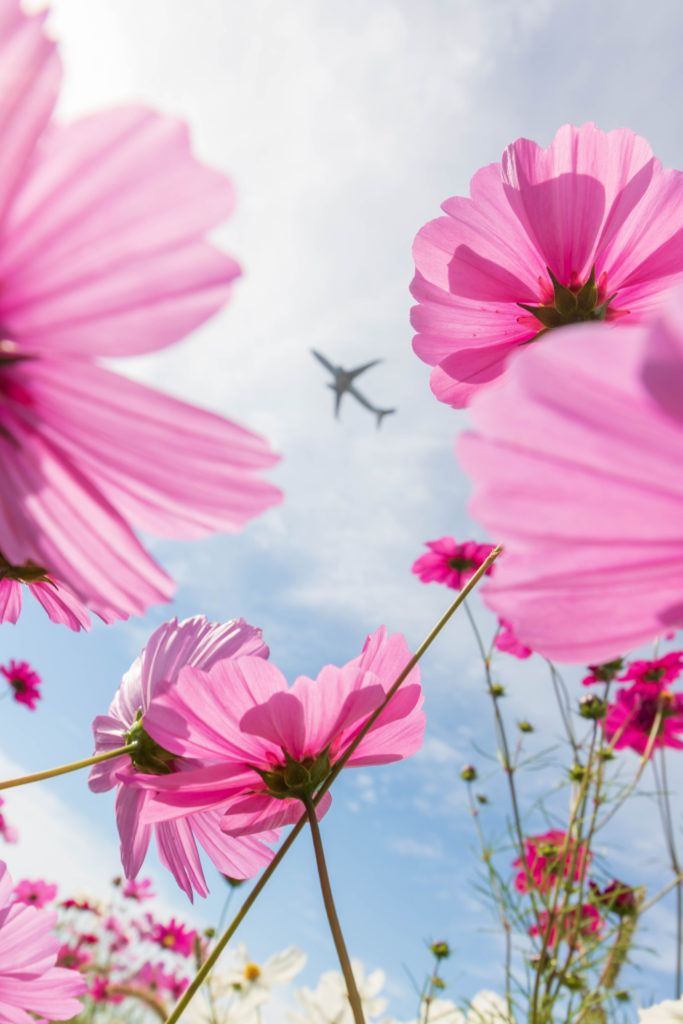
[
  {"x": 135, "y": 836},
  {"x": 103, "y": 252},
  {"x": 178, "y": 853},
  {"x": 237, "y": 858},
  {"x": 10, "y": 600}
]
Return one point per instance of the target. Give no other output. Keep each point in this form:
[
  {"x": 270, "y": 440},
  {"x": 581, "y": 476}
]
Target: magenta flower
[
  {"x": 507, "y": 641},
  {"x": 202, "y": 644},
  {"x": 577, "y": 473},
  {"x": 138, "y": 890},
  {"x": 265, "y": 734},
  {"x": 589, "y": 927},
  {"x": 589, "y": 229},
  {"x": 30, "y": 981},
  {"x": 451, "y": 563},
  {"x": 550, "y": 857},
  {"x": 103, "y": 253},
  {"x": 174, "y": 937},
  {"x": 661, "y": 670},
  {"x": 632, "y": 717},
  {"x": 153, "y": 977},
  {"x": 24, "y": 682},
  {"x": 35, "y": 894}
]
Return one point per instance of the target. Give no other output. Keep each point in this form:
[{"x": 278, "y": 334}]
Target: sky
[{"x": 343, "y": 125}]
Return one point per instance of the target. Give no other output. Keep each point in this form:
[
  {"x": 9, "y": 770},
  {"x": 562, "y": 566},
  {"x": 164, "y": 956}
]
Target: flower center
[
  {"x": 149, "y": 756},
  {"x": 576, "y": 304},
  {"x": 29, "y": 572},
  {"x": 252, "y": 972},
  {"x": 295, "y": 780},
  {"x": 649, "y": 708},
  {"x": 459, "y": 563}
]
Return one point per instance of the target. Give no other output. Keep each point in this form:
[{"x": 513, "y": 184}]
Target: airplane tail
[{"x": 381, "y": 413}]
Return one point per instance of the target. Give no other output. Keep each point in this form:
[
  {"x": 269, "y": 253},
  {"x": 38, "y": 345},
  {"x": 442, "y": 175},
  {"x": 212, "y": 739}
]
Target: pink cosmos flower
[
  {"x": 174, "y": 936},
  {"x": 589, "y": 229},
  {"x": 194, "y": 642},
  {"x": 30, "y": 981},
  {"x": 35, "y": 894},
  {"x": 73, "y": 956},
  {"x": 603, "y": 673},
  {"x": 577, "y": 472},
  {"x": 589, "y": 927},
  {"x": 451, "y": 563},
  {"x": 507, "y": 641},
  {"x": 153, "y": 977},
  {"x": 138, "y": 890},
  {"x": 243, "y": 713},
  {"x": 632, "y": 717},
  {"x": 24, "y": 682},
  {"x": 549, "y": 858},
  {"x": 103, "y": 253},
  {"x": 661, "y": 670}
]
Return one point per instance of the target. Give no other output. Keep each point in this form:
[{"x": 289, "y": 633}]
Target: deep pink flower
[
  {"x": 30, "y": 981},
  {"x": 661, "y": 670},
  {"x": 243, "y": 713},
  {"x": 103, "y": 253},
  {"x": 577, "y": 470},
  {"x": 80, "y": 904},
  {"x": 194, "y": 642},
  {"x": 24, "y": 682},
  {"x": 589, "y": 926},
  {"x": 73, "y": 956},
  {"x": 549, "y": 858},
  {"x": 632, "y": 717},
  {"x": 138, "y": 890},
  {"x": 536, "y": 228},
  {"x": 174, "y": 937},
  {"x": 507, "y": 641},
  {"x": 101, "y": 990},
  {"x": 451, "y": 563},
  {"x": 35, "y": 894},
  {"x": 604, "y": 673},
  {"x": 153, "y": 977}
]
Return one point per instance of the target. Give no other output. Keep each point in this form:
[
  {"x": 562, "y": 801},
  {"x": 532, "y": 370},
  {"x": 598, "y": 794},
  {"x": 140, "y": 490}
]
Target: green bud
[
  {"x": 577, "y": 772},
  {"x": 496, "y": 690},
  {"x": 525, "y": 726},
  {"x": 574, "y": 982},
  {"x": 149, "y": 756},
  {"x": 590, "y": 706},
  {"x": 622, "y": 996},
  {"x": 482, "y": 799},
  {"x": 468, "y": 773},
  {"x": 437, "y": 982},
  {"x": 441, "y": 950}
]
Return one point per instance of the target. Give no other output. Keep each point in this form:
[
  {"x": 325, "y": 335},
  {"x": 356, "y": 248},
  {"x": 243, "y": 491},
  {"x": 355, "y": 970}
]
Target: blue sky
[{"x": 344, "y": 125}]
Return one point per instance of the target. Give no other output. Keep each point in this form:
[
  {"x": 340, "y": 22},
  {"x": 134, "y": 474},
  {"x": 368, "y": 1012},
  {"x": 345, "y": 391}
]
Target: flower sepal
[{"x": 296, "y": 780}]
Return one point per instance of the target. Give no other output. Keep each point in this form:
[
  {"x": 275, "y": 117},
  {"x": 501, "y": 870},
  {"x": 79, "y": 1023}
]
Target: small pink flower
[
  {"x": 604, "y": 673},
  {"x": 194, "y": 642},
  {"x": 507, "y": 641},
  {"x": 661, "y": 670},
  {"x": 104, "y": 252},
  {"x": 589, "y": 926},
  {"x": 8, "y": 833},
  {"x": 138, "y": 890},
  {"x": 35, "y": 894},
  {"x": 174, "y": 937},
  {"x": 101, "y": 990},
  {"x": 30, "y": 981},
  {"x": 451, "y": 563},
  {"x": 549, "y": 858},
  {"x": 242, "y": 714},
  {"x": 634, "y": 713},
  {"x": 153, "y": 977},
  {"x": 73, "y": 956},
  {"x": 576, "y": 466},
  {"x": 589, "y": 229},
  {"x": 24, "y": 682},
  {"x": 80, "y": 904}
]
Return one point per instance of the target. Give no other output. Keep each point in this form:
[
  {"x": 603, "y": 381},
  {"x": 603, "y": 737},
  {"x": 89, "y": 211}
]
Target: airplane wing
[
  {"x": 361, "y": 369},
  {"x": 325, "y": 362}
]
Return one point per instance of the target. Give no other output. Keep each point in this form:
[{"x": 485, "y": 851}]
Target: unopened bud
[
  {"x": 468, "y": 773},
  {"x": 590, "y": 706},
  {"x": 577, "y": 773},
  {"x": 496, "y": 690},
  {"x": 525, "y": 726},
  {"x": 441, "y": 950},
  {"x": 482, "y": 799}
]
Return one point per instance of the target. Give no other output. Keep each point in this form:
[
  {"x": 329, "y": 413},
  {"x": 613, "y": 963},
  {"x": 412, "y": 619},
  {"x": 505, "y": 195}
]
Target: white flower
[
  {"x": 329, "y": 1003},
  {"x": 668, "y": 1012},
  {"x": 254, "y": 981},
  {"x": 487, "y": 1008}
]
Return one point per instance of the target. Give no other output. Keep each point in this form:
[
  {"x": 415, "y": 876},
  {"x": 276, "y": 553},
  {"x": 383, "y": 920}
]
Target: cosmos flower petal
[
  {"x": 178, "y": 852},
  {"x": 104, "y": 255},
  {"x": 577, "y": 468},
  {"x": 10, "y": 600},
  {"x": 254, "y": 814},
  {"x": 135, "y": 835},
  {"x": 30, "y": 72},
  {"x": 236, "y": 860}
]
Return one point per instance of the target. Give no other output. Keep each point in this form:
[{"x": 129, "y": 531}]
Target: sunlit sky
[{"x": 344, "y": 125}]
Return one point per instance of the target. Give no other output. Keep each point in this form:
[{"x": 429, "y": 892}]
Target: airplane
[{"x": 343, "y": 384}]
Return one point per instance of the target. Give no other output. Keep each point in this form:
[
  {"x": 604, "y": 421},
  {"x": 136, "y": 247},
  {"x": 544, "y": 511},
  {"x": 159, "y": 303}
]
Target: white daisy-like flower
[
  {"x": 668, "y": 1012},
  {"x": 253, "y": 981},
  {"x": 329, "y": 1003}
]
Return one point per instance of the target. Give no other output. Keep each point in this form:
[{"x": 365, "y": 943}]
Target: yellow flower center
[{"x": 252, "y": 972}]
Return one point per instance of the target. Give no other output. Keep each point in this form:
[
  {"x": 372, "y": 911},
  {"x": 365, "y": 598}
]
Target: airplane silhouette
[{"x": 343, "y": 384}]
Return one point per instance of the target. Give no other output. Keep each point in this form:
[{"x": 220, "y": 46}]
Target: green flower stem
[
  {"x": 65, "y": 768},
  {"x": 213, "y": 956},
  {"x": 335, "y": 927}
]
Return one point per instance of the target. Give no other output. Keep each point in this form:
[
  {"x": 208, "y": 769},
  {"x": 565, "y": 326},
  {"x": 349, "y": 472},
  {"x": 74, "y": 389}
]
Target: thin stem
[
  {"x": 671, "y": 842},
  {"x": 65, "y": 768},
  {"x": 259, "y": 886},
  {"x": 333, "y": 919}
]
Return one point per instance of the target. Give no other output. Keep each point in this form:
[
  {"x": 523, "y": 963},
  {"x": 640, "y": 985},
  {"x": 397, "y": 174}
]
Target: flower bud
[
  {"x": 441, "y": 950},
  {"x": 525, "y": 726},
  {"x": 468, "y": 773},
  {"x": 590, "y": 706}
]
